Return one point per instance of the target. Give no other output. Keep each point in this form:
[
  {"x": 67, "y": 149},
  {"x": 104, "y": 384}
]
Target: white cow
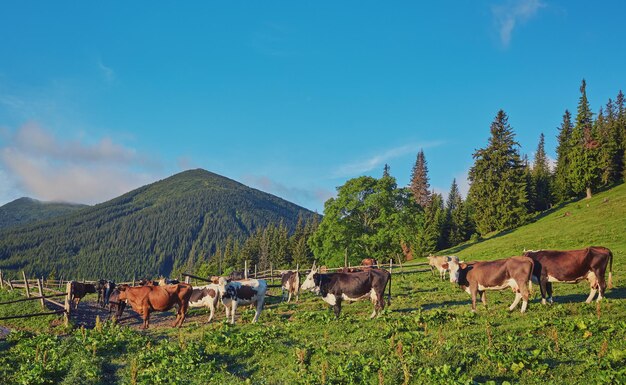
[
  {"x": 205, "y": 296},
  {"x": 245, "y": 292}
]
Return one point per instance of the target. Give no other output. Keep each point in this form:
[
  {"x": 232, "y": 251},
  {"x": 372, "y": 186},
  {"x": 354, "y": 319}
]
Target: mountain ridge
[{"x": 147, "y": 231}]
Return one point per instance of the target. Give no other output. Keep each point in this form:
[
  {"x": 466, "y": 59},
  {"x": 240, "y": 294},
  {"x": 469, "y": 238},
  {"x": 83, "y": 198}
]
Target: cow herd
[{"x": 542, "y": 267}]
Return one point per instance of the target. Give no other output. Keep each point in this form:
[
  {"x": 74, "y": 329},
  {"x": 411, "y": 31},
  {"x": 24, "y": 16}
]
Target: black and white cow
[
  {"x": 290, "y": 283},
  {"x": 246, "y": 292},
  {"x": 337, "y": 287},
  {"x": 205, "y": 296}
]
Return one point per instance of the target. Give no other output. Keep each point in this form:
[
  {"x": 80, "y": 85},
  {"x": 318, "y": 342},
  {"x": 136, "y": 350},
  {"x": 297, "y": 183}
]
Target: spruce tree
[
  {"x": 531, "y": 193},
  {"x": 585, "y": 171},
  {"x": 541, "y": 177},
  {"x": 620, "y": 121},
  {"x": 430, "y": 234},
  {"x": 419, "y": 181},
  {"x": 456, "y": 230},
  {"x": 386, "y": 171},
  {"x": 563, "y": 189},
  {"x": 498, "y": 188},
  {"x": 609, "y": 156}
]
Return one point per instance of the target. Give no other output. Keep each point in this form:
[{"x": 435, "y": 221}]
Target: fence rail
[{"x": 39, "y": 293}]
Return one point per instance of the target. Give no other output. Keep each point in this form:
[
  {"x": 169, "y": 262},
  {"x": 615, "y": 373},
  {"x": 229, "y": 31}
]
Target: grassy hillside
[
  {"x": 26, "y": 210},
  {"x": 599, "y": 221},
  {"x": 146, "y": 232},
  {"x": 427, "y": 336}
]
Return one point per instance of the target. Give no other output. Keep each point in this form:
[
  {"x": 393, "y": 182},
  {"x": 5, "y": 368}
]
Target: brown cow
[
  {"x": 572, "y": 266},
  {"x": 514, "y": 272},
  {"x": 290, "y": 283},
  {"x": 146, "y": 299},
  {"x": 79, "y": 290},
  {"x": 369, "y": 263}
]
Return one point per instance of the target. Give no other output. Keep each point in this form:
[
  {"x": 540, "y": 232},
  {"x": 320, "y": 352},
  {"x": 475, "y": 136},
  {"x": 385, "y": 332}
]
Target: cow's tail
[
  {"x": 610, "y": 270},
  {"x": 389, "y": 292}
]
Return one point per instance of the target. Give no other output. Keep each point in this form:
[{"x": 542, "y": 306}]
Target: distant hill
[
  {"x": 146, "y": 232},
  {"x": 27, "y": 210},
  {"x": 599, "y": 221}
]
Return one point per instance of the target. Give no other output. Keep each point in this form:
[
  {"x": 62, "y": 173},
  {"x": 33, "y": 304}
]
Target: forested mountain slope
[
  {"x": 148, "y": 231},
  {"x": 26, "y": 210}
]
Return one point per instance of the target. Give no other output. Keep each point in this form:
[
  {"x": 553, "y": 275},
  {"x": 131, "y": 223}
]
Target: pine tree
[
  {"x": 585, "y": 170},
  {"x": 620, "y": 121},
  {"x": 498, "y": 188},
  {"x": 456, "y": 230},
  {"x": 563, "y": 189},
  {"x": 386, "y": 171},
  {"x": 430, "y": 234},
  {"x": 531, "y": 193},
  {"x": 609, "y": 156},
  {"x": 541, "y": 178},
  {"x": 419, "y": 181}
]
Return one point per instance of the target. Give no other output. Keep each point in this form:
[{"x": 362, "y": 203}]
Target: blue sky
[{"x": 293, "y": 98}]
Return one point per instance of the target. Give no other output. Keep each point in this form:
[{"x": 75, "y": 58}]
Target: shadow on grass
[
  {"x": 615, "y": 293},
  {"x": 431, "y": 306}
]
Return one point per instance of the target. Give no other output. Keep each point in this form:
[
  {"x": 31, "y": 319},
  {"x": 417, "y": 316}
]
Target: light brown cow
[
  {"x": 369, "y": 263},
  {"x": 290, "y": 283},
  {"x": 514, "y": 272},
  {"x": 436, "y": 262},
  {"x": 146, "y": 299}
]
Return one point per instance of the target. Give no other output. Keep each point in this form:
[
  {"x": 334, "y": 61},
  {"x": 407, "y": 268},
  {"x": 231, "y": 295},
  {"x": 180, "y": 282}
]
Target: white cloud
[
  {"x": 49, "y": 168},
  {"x": 509, "y": 15},
  {"x": 107, "y": 72},
  {"x": 362, "y": 166}
]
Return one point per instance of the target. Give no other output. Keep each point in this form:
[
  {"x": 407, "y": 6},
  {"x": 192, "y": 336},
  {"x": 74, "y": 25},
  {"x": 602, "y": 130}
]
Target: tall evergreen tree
[
  {"x": 419, "y": 181},
  {"x": 456, "y": 230},
  {"x": 430, "y": 234},
  {"x": 609, "y": 156},
  {"x": 541, "y": 178},
  {"x": 620, "y": 119},
  {"x": 531, "y": 193},
  {"x": 585, "y": 170},
  {"x": 498, "y": 188},
  {"x": 563, "y": 189},
  {"x": 386, "y": 170}
]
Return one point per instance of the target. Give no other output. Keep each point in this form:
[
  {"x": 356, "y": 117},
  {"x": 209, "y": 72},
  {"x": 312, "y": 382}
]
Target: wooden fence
[
  {"x": 272, "y": 274},
  {"x": 45, "y": 291}
]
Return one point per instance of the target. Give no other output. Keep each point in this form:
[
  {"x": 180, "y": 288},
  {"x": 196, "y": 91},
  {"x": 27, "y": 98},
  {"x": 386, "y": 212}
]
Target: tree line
[{"x": 373, "y": 217}]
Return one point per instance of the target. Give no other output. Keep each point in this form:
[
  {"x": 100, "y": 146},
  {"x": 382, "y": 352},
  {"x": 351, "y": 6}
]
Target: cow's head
[
  {"x": 454, "y": 267},
  {"x": 309, "y": 282}
]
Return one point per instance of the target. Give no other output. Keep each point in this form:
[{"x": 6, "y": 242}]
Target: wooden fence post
[
  {"x": 186, "y": 279},
  {"x": 1, "y": 280},
  {"x": 271, "y": 273},
  {"x": 26, "y": 284},
  {"x": 10, "y": 284},
  {"x": 40, "y": 287},
  {"x": 133, "y": 280},
  {"x": 390, "y": 265},
  {"x": 255, "y": 276},
  {"x": 68, "y": 307},
  {"x": 245, "y": 269}
]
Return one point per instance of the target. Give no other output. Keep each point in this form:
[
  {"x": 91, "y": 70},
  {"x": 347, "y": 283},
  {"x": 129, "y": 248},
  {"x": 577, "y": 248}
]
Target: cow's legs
[
  {"x": 543, "y": 284},
  {"x": 483, "y": 297},
  {"x": 283, "y": 296},
  {"x": 289, "y": 298},
  {"x": 474, "y": 293},
  {"x": 337, "y": 307},
  {"x": 525, "y": 292},
  {"x": 145, "y": 313},
  {"x": 518, "y": 297},
  {"x": 259, "y": 308},
  {"x": 601, "y": 283},
  {"x": 227, "y": 309},
  {"x": 211, "y": 310},
  {"x": 549, "y": 291},
  {"x": 233, "y": 309}
]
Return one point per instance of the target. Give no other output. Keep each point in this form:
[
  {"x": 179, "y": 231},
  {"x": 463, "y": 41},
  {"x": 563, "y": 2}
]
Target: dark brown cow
[
  {"x": 572, "y": 266},
  {"x": 79, "y": 290},
  {"x": 514, "y": 272},
  {"x": 290, "y": 283},
  {"x": 146, "y": 299},
  {"x": 115, "y": 305},
  {"x": 369, "y": 263},
  {"x": 337, "y": 287}
]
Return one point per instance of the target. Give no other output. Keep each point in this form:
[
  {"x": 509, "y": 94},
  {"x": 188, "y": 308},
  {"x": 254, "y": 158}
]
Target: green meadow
[{"x": 427, "y": 336}]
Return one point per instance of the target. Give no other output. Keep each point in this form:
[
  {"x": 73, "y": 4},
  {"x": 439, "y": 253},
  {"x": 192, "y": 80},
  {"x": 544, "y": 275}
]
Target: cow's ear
[
  {"x": 445, "y": 265},
  {"x": 463, "y": 265}
]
